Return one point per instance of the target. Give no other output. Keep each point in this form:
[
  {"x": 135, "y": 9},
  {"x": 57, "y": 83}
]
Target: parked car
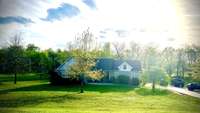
[
  {"x": 193, "y": 86},
  {"x": 177, "y": 82}
]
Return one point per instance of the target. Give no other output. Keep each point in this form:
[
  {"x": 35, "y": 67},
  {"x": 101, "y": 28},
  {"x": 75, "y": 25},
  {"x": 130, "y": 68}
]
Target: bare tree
[
  {"x": 168, "y": 56},
  {"x": 180, "y": 65},
  {"x": 16, "y": 40},
  {"x": 85, "y": 41},
  {"x": 150, "y": 57},
  {"x": 120, "y": 49},
  {"x": 192, "y": 54},
  {"x": 135, "y": 50},
  {"x": 70, "y": 46}
]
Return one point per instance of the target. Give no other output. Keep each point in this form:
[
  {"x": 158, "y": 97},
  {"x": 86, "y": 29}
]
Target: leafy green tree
[
  {"x": 15, "y": 56},
  {"x": 32, "y": 52},
  {"x": 61, "y": 56},
  {"x": 3, "y": 60},
  {"x": 52, "y": 58}
]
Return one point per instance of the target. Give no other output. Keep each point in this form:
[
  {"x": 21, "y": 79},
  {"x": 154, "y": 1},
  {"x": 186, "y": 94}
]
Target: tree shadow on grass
[
  {"x": 149, "y": 92},
  {"x": 26, "y": 99},
  {"x": 31, "y": 100},
  {"x": 43, "y": 87},
  {"x": 73, "y": 88},
  {"x": 109, "y": 88}
]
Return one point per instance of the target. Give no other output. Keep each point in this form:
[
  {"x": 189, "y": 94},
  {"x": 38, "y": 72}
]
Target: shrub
[
  {"x": 55, "y": 79},
  {"x": 123, "y": 79},
  {"x": 163, "y": 82},
  {"x": 135, "y": 81}
]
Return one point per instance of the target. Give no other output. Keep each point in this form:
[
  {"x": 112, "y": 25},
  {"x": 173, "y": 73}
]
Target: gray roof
[
  {"x": 107, "y": 64},
  {"x": 104, "y": 64}
]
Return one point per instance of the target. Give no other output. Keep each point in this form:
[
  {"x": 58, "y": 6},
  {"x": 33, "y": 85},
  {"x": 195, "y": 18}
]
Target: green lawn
[{"x": 38, "y": 96}]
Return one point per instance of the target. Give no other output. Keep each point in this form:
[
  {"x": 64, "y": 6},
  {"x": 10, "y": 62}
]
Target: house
[{"x": 112, "y": 68}]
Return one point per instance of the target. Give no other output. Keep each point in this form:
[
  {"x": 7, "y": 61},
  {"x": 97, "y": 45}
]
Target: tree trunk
[
  {"x": 153, "y": 85},
  {"x": 82, "y": 83},
  {"x": 82, "y": 91},
  {"x": 15, "y": 78},
  {"x": 183, "y": 71},
  {"x": 40, "y": 76},
  {"x": 177, "y": 71},
  {"x": 30, "y": 64}
]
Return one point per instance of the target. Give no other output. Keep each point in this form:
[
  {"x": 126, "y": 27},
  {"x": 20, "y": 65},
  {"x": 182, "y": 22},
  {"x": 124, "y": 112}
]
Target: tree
[
  {"x": 61, "y": 56},
  {"x": 195, "y": 71},
  {"x": 84, "y": 58},
  {"x": 32, "y": 47},
  {"x": 154, "y": 76},
  {"x": 70, "y": 46},
  {"x": 135, "y": 50},
  {"x": 52, "y": 56},
  {"x": 31, "y": 53},
  {"x": 192, "y": 54},
  {"x": 3, "y": 60},
  {"x": 181, "y": 64},
  {"x": 106, "y": 50},
  {"x": 120, "y": 49},
  {"x": 15, "y": 55},
  {"x": 194, "y": 65},
  {"x": 150, "y": 57},
  {"x": 168, "y": 56}
]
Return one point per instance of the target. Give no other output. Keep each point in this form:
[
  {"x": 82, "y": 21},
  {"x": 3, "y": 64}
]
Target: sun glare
[
  {"x": 159, "y": 21},
  {"x": 154, "y": 21}
]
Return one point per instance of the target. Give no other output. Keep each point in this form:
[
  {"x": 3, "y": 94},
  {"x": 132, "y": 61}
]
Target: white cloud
[{"x": 144, "y": 21}]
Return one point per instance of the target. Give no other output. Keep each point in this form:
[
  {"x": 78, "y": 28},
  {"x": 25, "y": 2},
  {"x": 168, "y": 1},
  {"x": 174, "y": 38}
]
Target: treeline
[
  {"x": 184, "y": 62},
  {"x": 17, "y": 58}
]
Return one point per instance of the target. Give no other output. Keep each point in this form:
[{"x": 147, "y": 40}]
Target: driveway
[
  {"x": 183, "y": 91},
  {"x": 178, "y": 90}
]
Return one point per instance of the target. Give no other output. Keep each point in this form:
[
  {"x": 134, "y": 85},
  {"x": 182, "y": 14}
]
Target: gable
[{"x": 125, "y": 67}]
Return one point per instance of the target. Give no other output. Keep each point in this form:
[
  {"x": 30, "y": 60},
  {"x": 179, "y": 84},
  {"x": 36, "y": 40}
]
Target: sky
[{"x": 53, "y": 23}]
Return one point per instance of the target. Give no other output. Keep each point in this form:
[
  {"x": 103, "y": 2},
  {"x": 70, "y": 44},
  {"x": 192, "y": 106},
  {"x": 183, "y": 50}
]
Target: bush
[
  {"x": 135, "y": 81},
  {"x": 163, "y": 82},
  {"x": 55, "y": 79},
  {"x": 123, "y": 79}
]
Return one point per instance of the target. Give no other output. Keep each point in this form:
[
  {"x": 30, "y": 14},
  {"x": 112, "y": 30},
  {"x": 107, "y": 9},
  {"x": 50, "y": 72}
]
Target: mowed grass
[{"x": 38, "y": 96}]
